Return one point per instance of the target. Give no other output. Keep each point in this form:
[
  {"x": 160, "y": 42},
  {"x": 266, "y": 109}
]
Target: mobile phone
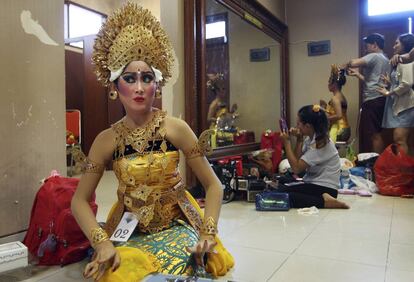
[{"x": 283, "y": 125}]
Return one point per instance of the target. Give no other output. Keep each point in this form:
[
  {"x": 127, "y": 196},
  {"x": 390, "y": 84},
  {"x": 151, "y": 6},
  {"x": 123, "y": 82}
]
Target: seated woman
[
  {"x": 339, "y": 129},
  {"x": 317, "y": 156},
  {"x": 163, "y": 228}
]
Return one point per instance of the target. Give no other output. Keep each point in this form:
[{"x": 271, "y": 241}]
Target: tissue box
[{"x": 12, "y": 255}]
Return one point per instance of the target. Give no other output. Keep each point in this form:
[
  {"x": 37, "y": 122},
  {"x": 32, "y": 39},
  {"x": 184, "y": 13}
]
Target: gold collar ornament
[{"x": 131, "y": 33}]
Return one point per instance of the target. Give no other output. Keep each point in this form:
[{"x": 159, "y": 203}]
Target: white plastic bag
[{"x": 363, "y": 184}]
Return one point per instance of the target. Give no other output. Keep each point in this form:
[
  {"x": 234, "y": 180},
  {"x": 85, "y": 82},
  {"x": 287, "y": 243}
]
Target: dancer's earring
[
  {"x": 158, "y": 94},
  {"x": 113, "y": 94}
]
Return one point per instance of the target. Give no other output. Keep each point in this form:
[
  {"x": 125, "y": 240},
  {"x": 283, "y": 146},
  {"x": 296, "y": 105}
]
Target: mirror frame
[{"x": 194, "y": 63}]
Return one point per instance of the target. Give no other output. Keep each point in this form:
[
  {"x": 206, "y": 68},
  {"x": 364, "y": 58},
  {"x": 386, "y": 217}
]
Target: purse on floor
[{"x": 272, "y": 201}]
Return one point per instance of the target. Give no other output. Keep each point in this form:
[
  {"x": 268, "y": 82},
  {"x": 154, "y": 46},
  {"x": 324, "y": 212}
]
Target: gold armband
[
  {"x": 98, "y": 235},
  {"x": 92, "y": 167},
  {"x": 201, "y": 147},
  {"x": 209, "y": 227}
]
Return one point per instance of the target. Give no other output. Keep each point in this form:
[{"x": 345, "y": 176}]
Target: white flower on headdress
[
  {"x": 116, "y": 74},
  {"x": 158, "y": 74}
]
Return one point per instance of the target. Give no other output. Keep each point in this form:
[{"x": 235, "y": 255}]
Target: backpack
[{"x": 54, "y": 237}]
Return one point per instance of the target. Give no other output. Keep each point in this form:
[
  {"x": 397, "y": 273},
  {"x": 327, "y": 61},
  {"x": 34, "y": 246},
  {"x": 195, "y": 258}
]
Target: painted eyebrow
[{"x": 142, "y": 72}]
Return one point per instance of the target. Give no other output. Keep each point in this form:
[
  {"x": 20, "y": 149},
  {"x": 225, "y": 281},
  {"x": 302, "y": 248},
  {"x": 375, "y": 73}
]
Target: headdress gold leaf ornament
[
  {"x": 131, "y": 33},
  {"x": 334, "y": 74}
]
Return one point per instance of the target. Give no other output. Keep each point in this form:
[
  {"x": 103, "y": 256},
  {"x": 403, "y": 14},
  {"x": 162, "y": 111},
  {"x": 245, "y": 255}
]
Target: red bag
[
  {"x": 394, "y": 172},
  {"x": 272, "y": 140},
  {"x": 243, "y": 137},
  {"x": 54, "y": 237}
]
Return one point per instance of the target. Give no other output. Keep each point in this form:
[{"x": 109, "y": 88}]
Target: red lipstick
[{"x": 139, "y": 99}]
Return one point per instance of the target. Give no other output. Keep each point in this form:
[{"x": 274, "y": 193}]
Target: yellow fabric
[
  {"x": 150, "y": 186},
  {"x": 135, "y": 265},
  {"x": 333, "y": 131},
  {"x": 221, "y": 261},
  {"x": 132, "y": 170},
  {"x": 147, "y": 188},
  {"x": 338, "y": 125}
]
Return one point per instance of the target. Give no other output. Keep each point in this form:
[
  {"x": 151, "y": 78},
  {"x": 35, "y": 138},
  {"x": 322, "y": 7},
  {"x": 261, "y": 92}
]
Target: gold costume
[
  {"x": 340, "y": 129},
  {"x": 146, "y": 163},
  {"x": 150, "y": 186}
]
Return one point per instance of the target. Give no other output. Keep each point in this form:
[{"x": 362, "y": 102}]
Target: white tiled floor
[{"x": 373, "y": 241}]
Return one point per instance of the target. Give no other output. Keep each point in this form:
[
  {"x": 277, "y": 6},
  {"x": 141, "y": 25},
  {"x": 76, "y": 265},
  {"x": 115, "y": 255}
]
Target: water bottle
[
  {"x": 345, "y": 179},
  {"x": 368, "y": 174}
]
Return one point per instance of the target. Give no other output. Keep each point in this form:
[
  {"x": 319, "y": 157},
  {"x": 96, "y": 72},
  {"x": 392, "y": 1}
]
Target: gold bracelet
[
  {"x": 209, "y": 227},
  {"x": 98, "y": 235},
  {"x": 92, "y": 167}
]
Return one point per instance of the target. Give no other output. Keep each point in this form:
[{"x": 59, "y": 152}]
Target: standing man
[{"x": 373, "y": 65}]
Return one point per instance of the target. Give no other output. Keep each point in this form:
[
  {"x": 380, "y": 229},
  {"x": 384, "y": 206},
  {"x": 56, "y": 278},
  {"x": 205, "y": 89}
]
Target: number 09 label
[{"x": 125, "y": 228}]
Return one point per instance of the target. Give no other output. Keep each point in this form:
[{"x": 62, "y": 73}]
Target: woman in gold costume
[
  {"x": 133, "y": 56},
  {"x": 336, "y": 109},
  {"x": 218, "y": 107}
]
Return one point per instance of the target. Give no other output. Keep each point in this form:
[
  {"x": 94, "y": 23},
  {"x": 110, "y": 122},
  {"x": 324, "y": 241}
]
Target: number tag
[{"x": 125, "y": 228}]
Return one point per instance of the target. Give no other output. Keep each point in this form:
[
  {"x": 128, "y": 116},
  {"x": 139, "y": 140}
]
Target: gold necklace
[{"x": 138, "y": 137}]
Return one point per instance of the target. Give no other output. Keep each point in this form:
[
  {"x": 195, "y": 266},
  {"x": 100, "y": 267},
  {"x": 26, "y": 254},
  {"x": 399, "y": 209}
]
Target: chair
[{"x": 73, "y": 134}]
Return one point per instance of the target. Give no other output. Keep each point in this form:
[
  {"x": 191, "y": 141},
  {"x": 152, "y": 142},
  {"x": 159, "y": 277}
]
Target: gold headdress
[
  {"x": 131, "y": 33},
  {"x": 337, "y": 75},
  {"x": 213, "y": 80}
]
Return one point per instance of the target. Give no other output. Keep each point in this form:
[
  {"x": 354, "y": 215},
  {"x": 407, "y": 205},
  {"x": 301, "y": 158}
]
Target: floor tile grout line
[
  {"x": 294, "y": 250},
  {"x": 313, "y": 229},
  {"x": 389, "y": 241},
  {"x": 277, "y": 268}
]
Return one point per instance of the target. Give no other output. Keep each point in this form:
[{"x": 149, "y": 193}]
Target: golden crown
[
  {"x": 334, "y": 73},
  {"x": 131, "y": 33}
]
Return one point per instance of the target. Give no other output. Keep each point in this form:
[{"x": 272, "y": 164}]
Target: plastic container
[
  {"x": 345, "y": 179},
  {"x": 368, "y": 174}
]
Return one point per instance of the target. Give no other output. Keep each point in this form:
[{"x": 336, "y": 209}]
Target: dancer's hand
[
  {"x": 105, "y": 255},
  {"x": 205, "y": 245}
]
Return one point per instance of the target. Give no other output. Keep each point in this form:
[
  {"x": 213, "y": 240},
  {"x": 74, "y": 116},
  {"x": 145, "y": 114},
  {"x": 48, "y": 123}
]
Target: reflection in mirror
[{"x": 243, "y": 78}]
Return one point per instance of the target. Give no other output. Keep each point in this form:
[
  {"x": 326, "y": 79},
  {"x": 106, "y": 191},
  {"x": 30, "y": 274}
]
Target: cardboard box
[{"x": 12, "y": 255}]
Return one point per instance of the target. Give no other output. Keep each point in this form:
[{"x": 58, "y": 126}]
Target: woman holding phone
[{"x": 315, "y": 154}]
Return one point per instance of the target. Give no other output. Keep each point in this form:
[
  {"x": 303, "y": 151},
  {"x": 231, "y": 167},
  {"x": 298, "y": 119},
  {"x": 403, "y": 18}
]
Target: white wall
[
  {"x": 334, "y": 20},
  {"x": 173, "y": 96},
  {"x": 32, "y": 108}
]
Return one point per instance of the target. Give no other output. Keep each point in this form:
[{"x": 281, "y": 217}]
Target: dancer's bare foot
[{"x": 332, "y": 203}]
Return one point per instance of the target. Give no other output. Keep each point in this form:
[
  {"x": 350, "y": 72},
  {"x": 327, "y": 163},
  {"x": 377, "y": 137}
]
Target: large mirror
[{"x": 236, "y": 72}]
